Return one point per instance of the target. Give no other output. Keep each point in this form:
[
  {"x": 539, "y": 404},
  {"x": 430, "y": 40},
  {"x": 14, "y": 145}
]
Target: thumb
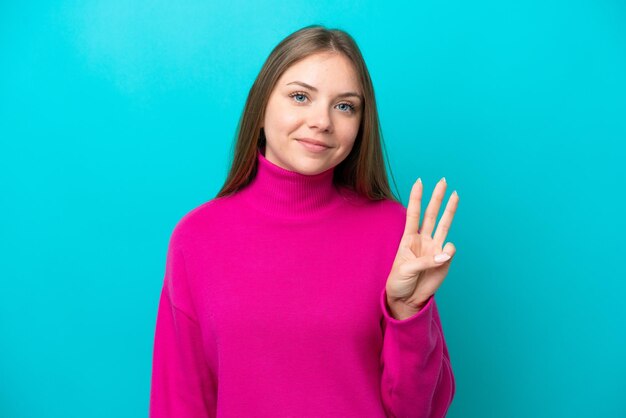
[
  {"x": 448, "y": 252},
  {"x": 412, "y": 267}
]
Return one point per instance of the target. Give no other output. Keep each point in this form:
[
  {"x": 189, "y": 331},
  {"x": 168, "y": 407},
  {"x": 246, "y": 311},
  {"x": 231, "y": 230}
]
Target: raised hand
[{"x": 421, "y": 263}]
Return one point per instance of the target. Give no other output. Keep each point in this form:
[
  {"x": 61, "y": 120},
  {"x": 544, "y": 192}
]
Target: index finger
[{"x": 414, "y": 207}]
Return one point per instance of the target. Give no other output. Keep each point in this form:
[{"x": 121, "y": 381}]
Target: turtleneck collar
[{"x": 287, "y": 194}]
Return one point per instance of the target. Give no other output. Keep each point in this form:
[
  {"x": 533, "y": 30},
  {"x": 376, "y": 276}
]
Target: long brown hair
[{"x": 363, "y": 170}]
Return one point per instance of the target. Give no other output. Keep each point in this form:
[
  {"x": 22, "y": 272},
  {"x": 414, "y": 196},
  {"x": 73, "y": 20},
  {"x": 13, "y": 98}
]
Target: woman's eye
[
  {"x": 348, "y": 108},
  {"x": 296, "y": 95}
]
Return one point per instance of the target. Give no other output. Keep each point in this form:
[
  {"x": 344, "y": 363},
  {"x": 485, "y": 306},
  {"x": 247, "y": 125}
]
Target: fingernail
[
  {"x": 442, "y": 257},
  {"x": 419, "y": 180},
  {"x": 444, "y": 180}
]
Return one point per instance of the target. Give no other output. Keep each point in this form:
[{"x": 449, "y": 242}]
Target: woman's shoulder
[
  {"x": 202, "y": 217},
  {"x": 392, "y": 215},
  {"x": 379, "y": 215},
  {"x": 393, "y": 208},
  {"x": 384, "y": 207}
]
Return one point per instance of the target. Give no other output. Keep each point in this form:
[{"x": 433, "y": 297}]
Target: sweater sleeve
[
  {"x": 417, "y": 378},
  {"x": 183, "y": 385}
]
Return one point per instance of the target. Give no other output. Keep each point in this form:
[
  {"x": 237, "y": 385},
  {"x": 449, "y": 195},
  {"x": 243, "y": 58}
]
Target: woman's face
[{"x": 316, "y": 99}]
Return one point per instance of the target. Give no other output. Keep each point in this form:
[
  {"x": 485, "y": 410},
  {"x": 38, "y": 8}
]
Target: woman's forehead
[{"x": 320, "y": 71}]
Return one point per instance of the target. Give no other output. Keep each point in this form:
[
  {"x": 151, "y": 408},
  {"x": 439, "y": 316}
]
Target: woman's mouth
[{"x": 313, "y": 147}]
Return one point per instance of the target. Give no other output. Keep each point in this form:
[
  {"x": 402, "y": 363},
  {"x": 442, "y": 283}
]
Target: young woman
[{"x": 304, "y": 288}]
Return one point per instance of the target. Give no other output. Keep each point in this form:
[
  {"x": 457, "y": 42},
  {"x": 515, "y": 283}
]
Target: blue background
[{"x": 117, "y": 118}]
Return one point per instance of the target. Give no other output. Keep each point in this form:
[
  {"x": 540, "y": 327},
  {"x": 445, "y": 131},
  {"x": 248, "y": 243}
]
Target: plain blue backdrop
[{"x": 118, "y": 117}]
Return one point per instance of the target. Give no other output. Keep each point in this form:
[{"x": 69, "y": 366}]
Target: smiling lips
[{"x": 313, "y": 145}]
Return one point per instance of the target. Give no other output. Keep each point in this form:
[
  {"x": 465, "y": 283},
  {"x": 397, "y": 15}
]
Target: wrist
[{"x": 400, "y": 310}]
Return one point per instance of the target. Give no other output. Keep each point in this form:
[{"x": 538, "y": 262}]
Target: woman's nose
[{"x": 319, "y": 117}]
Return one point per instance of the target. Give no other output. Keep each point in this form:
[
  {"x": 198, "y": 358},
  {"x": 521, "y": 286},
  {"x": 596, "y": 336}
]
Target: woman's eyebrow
[{"x": 308, "y": 86}]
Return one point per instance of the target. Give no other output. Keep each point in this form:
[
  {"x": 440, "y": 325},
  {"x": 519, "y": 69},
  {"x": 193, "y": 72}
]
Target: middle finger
[{"x": 430, "y": 216}]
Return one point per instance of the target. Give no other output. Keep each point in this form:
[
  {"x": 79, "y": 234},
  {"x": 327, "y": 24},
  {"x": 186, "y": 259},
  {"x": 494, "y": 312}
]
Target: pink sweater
[{"x": 273, "y": 305}]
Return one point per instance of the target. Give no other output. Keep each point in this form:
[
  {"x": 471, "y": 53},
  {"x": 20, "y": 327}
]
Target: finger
[
  {"x": 414, "y": 208},
  {"x": 430, "y": 216},
  {"x": 446, "y": 219}
]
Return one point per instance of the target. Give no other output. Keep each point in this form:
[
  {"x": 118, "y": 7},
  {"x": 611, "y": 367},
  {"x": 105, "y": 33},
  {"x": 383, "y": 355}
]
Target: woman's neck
[{"x": 278, "y": 192}]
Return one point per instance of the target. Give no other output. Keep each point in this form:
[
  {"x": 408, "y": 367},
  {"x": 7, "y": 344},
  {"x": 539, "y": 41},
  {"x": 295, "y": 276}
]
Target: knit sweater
[{"x": 273, "y": 305}]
